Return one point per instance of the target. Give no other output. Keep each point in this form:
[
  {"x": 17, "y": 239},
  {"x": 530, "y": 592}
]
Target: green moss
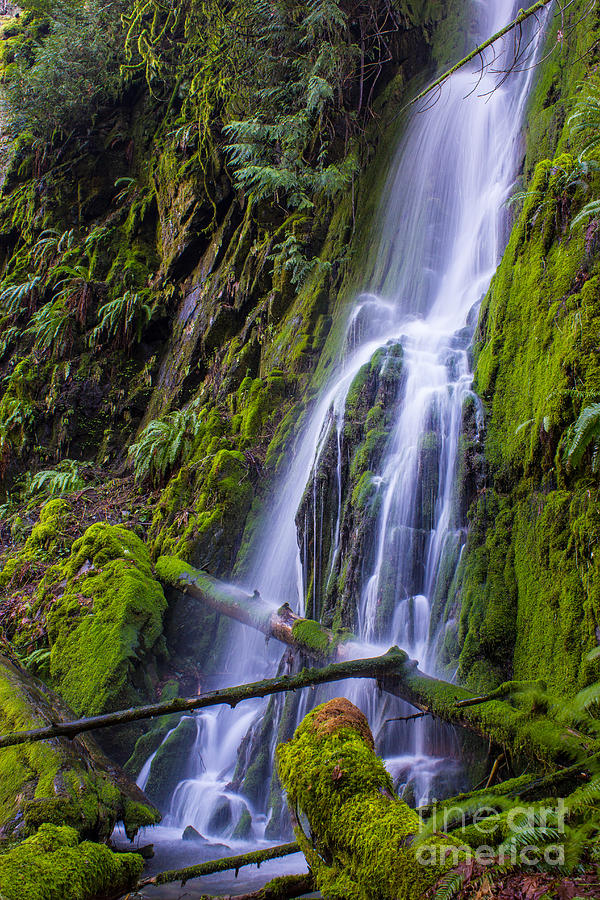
[
  {"x": 106, "y": 622},
  {"x": 51, "y": 537},
  {"x": 243, "y": 829},
  {"x": 526, "y": 589},
  {"x": 311, "y": 634},
  {"x": 53, "y": 865},
  {"x": 360, "y": 844},
  {"x": 170, "y": 761}
]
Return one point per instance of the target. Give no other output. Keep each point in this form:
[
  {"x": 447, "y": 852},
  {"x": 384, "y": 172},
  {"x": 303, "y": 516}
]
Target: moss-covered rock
[
  {"x": 53, "y": 865},
  {"x": 107, "y": 620},
  {"x": 105, "y": 626},
  {"x": 171, "y": 762},
  {"x": 360, "y": 843}
]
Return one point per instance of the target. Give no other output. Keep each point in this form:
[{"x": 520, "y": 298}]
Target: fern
[
  {"x": 586, "y": 432},
  {"x": 65, "y": 479},
  {"x": 122, "y": 320},
  {"x": 591, "y": 209},
  {"x": 164, "y": 442},
  {"x": 16, "y": 298},
  {"x": 585, "y": 120},
  {"x": 51, "y": 328},
  {"x": 449, "y": 886}
]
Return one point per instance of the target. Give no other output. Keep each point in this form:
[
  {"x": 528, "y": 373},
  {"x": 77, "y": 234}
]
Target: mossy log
[
  {"x": 536, "y": 737},
  {"x": 478, "y": 51},
  {"x": 312, "y": 638},
  {"x": 361, "y": 842},
  {"x": 375, "y": 667},
  {"x": 283, "y": 888},
  {"x": 254, "y": 858}
]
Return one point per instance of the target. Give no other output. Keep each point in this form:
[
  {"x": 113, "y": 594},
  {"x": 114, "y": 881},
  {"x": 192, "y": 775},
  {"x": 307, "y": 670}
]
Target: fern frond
[{"x": 586, "y": 429}]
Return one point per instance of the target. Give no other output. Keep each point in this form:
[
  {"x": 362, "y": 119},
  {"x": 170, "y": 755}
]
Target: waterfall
[{"x": 434, "y": 250}]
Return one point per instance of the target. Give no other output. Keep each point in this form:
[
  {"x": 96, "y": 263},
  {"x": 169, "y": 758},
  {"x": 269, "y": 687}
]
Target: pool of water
[{"x": 171, "y": 852}]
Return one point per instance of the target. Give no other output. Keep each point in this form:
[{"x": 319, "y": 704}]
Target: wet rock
[
  {"x": 243, "y": 829},
  {"x": 221, "y": 817},
  {"x": 408, "y": 794},
  {"x": 190, "y": 834},
  {"x": 169, "y": 765}
]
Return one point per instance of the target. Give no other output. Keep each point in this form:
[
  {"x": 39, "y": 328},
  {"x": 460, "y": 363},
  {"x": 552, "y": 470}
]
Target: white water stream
[{"x": 441, "y": 232}]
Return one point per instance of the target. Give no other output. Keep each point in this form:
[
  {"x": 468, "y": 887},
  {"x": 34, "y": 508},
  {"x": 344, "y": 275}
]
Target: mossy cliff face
[
  {"x": 359, "y": 844},
  {"x": 525, "y": 597}
]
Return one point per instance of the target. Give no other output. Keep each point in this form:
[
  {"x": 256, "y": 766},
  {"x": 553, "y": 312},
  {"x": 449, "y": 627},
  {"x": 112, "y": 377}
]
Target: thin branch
[
  {"x": 377, "y": 667},
  {"x": 419, "y": 715},
  {"x": 522, "y": 17}
]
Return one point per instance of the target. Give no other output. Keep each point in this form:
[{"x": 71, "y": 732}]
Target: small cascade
[{"x": 369, "y": 522}]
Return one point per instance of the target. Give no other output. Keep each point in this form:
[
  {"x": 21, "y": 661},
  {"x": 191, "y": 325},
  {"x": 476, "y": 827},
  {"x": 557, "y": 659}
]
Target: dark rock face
[
  {"x": 353, "y": 450},
  {"x": 171, "y": 762}
]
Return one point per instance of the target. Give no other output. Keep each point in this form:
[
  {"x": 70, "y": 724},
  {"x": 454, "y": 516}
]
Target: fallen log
[
  {"x": 543, "y": 740},
  {"x": 520, "y": 18},
  {"x": 375, "y": 667},
  {"x": 312, "y": 638},
  {"x": 255, "y": 858},
  {"x": 536, "y": 737},
  {"x": 362, "y": 836}
]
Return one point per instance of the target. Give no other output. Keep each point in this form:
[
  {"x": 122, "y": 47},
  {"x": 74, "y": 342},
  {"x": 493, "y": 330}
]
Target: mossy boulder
[
  {"x": 59, "y": 781},
  {"x": 54, "y": 865},
  {"x": 361, "y": 834},
  {"x": 105, "y": 626}
]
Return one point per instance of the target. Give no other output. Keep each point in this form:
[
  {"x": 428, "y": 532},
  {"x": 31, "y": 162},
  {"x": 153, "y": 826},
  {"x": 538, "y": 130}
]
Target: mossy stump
[{"x": 361, "y": 844}]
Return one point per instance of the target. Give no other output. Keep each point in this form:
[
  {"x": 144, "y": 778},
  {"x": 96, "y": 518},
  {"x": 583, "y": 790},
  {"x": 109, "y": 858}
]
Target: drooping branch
[
  {"x": 255, "y": 858},
  {"x": 478, "y": 51}
]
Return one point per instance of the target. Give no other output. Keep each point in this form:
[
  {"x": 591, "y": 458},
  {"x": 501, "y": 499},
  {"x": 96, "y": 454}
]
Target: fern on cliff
[
  {"x": 586, "y": 433},
  {"x": 164, "y": 442},
  {"x": 121, "y": 320}
]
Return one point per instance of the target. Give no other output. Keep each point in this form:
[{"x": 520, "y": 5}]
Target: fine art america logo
[{"x": 518, "y": 829}]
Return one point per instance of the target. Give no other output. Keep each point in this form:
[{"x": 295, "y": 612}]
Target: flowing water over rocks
[{"x": 368, "y": 524}]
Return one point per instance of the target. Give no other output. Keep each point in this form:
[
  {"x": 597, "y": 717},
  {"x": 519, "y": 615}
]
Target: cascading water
[{"x": 441, "y": 235}]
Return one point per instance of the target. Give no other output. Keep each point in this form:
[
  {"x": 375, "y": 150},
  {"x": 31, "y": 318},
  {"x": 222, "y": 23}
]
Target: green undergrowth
[{"x": 53, "y": 865}]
